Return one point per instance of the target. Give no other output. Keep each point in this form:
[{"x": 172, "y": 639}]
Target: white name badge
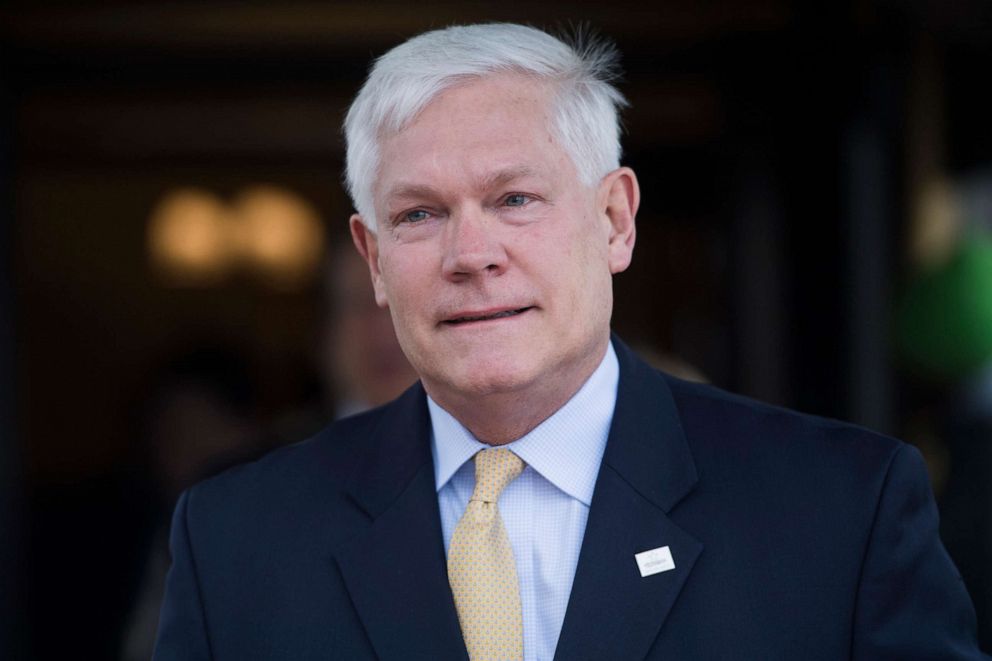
[{"x": 654, "y": 561}]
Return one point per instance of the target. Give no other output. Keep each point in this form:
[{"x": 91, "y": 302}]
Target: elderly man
[{"x": 542, "y": 493}]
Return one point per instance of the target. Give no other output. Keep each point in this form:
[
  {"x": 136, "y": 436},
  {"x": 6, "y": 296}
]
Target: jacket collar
[
  {"x": 396, "y": 569},
  {"x": 615, "y": 611},
  {"x": 647, "y": 445}
]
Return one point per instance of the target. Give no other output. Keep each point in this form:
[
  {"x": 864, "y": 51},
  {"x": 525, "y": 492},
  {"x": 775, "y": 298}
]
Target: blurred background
[{"x": 177, "y": 291}]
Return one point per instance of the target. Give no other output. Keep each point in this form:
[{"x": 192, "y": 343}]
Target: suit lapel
[
  {"x": 395, "y": 570},
  {"x": 614, "y": 612}
]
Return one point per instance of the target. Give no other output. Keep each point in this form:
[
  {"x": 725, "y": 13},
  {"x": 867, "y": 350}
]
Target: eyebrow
[
  {"x": 411, "y": 190},
  {"x": 505, "y": 176},
  {"x": 494, "y": 180}
]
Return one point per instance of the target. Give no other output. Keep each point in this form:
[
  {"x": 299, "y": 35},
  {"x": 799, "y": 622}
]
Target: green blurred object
[{"x": 944, "y": 325}]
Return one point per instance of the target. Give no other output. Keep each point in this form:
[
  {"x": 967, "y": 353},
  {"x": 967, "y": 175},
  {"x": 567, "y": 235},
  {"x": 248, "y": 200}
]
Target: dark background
[{"x": 781, "y": 148}]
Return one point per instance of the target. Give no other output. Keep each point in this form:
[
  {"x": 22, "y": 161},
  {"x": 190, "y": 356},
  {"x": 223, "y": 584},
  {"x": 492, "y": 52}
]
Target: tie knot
[{"x": 494, "y": 469}]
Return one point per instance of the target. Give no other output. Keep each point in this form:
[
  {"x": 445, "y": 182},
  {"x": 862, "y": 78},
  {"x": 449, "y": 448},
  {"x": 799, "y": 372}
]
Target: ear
[
  {"x": 619, "y": 197},
  {"x": 367, "y": 244}
]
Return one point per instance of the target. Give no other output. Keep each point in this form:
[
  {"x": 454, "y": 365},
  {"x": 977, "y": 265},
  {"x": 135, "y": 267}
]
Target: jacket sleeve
[
  {"x": 182, "y": 629},
  {"x": 911, "y": 603}
]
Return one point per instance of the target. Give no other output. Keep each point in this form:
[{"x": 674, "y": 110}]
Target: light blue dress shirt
[{"x": 545, "y": 509}]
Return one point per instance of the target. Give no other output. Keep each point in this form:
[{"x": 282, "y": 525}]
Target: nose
[{"x": 472, "y": 245}]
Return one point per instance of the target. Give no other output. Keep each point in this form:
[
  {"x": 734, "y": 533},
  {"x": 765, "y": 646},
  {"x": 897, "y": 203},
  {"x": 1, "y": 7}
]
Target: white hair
[{"x": 407, "y": 78}]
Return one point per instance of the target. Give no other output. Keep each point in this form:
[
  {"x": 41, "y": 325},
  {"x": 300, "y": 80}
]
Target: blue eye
[
  {"x": 516, "y": 200},
  {"x": 415, "y": 216}
]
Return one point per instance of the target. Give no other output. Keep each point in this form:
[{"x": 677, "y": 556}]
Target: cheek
[
  {"x": 593, "y": 283},
  {"x": 570, "y": 259},
  {"x": 406, "y": 292},
  {"x": 588, "y": 252},
  {"x": 391, "y": 287}
]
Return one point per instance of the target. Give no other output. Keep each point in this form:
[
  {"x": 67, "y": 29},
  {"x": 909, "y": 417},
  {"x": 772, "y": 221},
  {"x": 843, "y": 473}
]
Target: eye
[
  {"x": 516, "y": 200},
  {"x": 415, "y": 216}
]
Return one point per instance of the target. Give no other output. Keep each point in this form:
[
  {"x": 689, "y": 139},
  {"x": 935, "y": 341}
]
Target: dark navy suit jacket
[{"x": 793, "y": 538}]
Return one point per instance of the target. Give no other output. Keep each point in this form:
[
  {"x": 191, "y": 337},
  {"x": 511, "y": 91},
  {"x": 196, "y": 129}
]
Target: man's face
[{"x": 493, "y": 258}]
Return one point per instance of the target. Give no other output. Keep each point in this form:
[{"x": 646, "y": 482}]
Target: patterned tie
[{"x": 481, "y": 569}]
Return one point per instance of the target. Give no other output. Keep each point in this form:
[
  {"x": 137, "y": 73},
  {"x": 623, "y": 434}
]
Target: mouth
[{"x": 486, "y": 316}]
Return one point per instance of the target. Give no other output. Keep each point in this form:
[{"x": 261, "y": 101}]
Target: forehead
[{"x": 498, "y": 123}]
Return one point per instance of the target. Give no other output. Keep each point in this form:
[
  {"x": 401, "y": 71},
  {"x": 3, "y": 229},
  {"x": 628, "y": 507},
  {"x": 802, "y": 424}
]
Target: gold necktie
[{"x": 481, "y": 569}]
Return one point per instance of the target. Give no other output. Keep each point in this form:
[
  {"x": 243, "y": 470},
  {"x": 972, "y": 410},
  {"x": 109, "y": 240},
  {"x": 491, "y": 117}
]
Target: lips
[{"x": 467, "y": 318}]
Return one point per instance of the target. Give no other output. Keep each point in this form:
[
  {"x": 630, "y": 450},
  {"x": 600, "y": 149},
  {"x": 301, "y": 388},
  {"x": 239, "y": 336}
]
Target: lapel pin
[{"x": 654, "y": 561}]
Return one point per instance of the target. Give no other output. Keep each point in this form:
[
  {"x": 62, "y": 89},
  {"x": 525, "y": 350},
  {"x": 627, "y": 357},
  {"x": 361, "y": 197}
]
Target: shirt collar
[{"x": 566, "y": 449}]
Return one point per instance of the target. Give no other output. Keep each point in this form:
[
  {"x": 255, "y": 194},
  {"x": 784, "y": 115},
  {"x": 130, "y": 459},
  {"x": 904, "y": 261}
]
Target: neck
[{"x": 499, "y": 418}]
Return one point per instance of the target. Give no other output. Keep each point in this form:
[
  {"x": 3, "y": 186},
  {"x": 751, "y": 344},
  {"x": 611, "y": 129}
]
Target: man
[{"x": 542, "y": 493}]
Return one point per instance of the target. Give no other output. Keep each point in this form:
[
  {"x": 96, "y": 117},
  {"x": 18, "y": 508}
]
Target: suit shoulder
[
  {"x": 716, "y": 420},
  {"x": 324, "y": 461},
  {"x": 776, "y": 466}
]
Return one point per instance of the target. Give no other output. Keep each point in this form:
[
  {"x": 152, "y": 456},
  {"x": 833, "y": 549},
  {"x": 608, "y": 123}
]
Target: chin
[{"x": 486, "y": 377}]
